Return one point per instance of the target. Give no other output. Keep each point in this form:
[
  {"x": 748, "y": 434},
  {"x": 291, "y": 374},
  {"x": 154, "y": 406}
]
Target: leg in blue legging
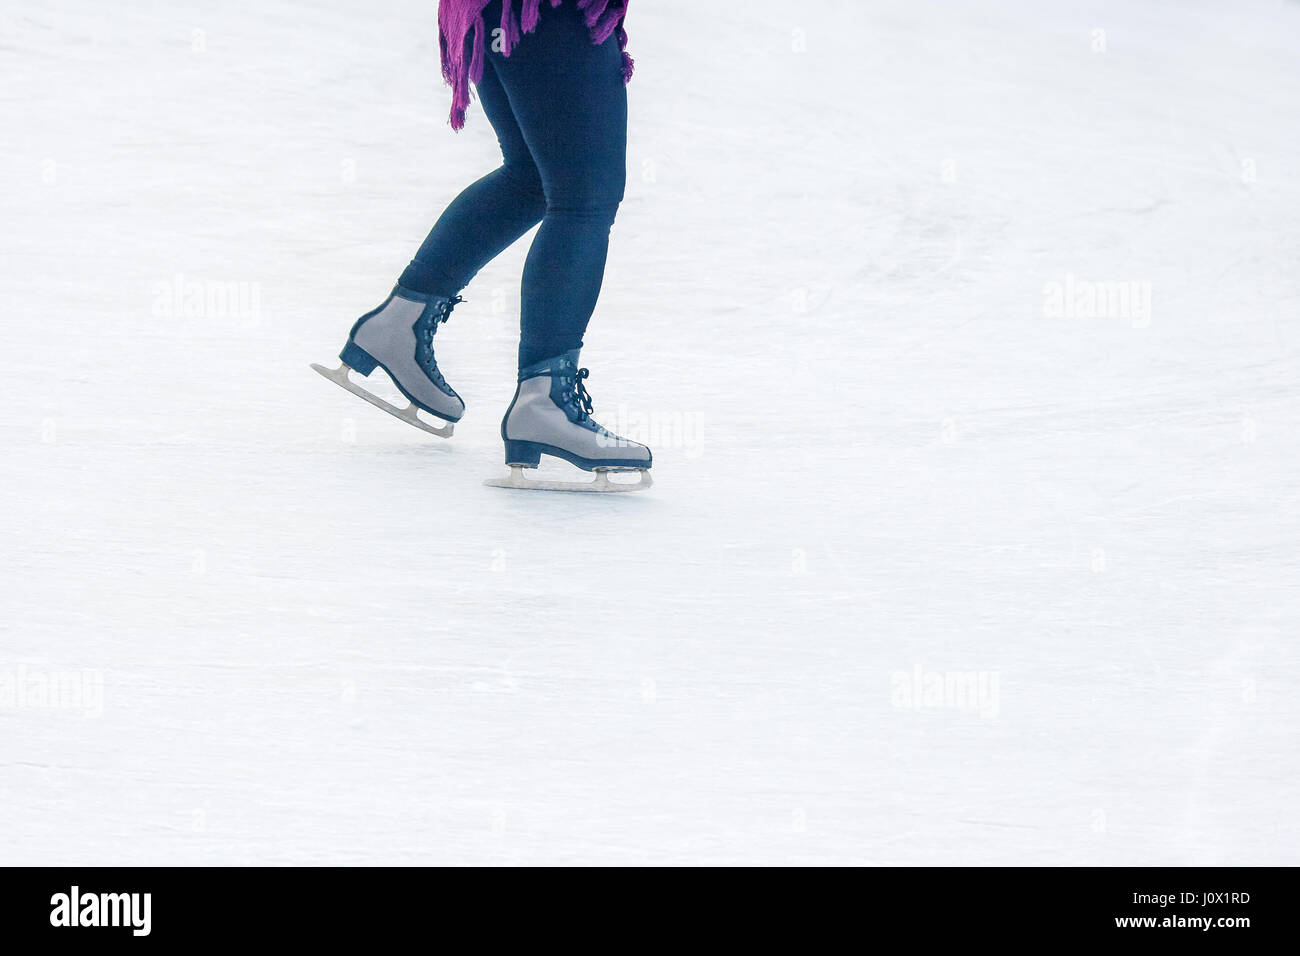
[
  {"x": 559, "y": 109},
  {"x": 568, "y": 97},
  {"x": 488, "y": 216}
]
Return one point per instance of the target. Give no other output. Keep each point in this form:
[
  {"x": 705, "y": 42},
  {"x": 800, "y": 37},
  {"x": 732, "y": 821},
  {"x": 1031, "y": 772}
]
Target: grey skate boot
[
  {"x": 551, "y": 415},
  {"x": 398, "y": 337}
]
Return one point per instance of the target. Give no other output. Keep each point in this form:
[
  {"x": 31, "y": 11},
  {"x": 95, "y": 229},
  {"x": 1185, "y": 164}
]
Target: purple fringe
[
  {"x": 462, "y": 20},
  {"x": 476, "y": 61}
]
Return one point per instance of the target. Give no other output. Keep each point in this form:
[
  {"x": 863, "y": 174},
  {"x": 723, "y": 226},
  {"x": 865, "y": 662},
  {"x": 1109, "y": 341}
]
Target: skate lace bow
[
  {"x": 580, "y": 393},
  {"x": 444, "y": 311}
]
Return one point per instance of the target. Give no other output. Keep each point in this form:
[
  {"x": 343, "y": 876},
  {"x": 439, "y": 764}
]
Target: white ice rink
[{"x": 877, "y": 297}]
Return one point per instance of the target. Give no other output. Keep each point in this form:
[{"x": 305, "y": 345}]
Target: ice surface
[{"x": 882, "y": 459}]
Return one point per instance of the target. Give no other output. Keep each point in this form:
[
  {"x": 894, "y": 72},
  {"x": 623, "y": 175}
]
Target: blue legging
[{"x": 559, "y": 110}]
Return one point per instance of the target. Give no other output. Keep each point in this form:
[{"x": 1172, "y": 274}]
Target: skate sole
[
  {"x": 410, "y": 414},
  {"x": 528, "y": 454},
  {"x": 600, "y": 485}
]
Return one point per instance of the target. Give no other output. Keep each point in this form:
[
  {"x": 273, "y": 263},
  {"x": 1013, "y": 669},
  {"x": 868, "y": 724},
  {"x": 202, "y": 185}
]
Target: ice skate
[
  {"x": 551, "y": 415},
  {"x": 398, "y": 337}
]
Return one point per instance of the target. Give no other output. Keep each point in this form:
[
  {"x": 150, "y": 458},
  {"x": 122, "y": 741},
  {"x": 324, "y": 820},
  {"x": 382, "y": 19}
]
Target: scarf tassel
[{"x": 509, "y": 27}]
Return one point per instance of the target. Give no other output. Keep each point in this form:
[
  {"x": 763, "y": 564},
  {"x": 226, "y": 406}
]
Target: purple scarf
[{"x": 457, "y": 17}]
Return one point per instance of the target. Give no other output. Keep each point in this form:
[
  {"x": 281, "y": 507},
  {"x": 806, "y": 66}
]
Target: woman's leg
[
  {"x": 487, "y": 216},
  {"x": 568, "y": 97}
]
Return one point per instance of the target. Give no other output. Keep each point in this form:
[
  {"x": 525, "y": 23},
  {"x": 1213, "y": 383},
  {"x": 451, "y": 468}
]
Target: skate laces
[
  {"x": 580, "y": 394},
  {"x": 441, "y": 313},
  {"x": 444, "y": 311}
]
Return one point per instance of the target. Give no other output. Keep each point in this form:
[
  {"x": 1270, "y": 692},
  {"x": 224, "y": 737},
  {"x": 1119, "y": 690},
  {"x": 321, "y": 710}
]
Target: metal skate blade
[
  {"x": 600, "y": 485},
  {"x": 410, "y": 414}
]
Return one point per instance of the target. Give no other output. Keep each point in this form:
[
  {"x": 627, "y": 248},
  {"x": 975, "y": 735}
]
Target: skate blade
[
  {"x": 600, "y": 485},
  {"x": 410, "y": 414}
]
